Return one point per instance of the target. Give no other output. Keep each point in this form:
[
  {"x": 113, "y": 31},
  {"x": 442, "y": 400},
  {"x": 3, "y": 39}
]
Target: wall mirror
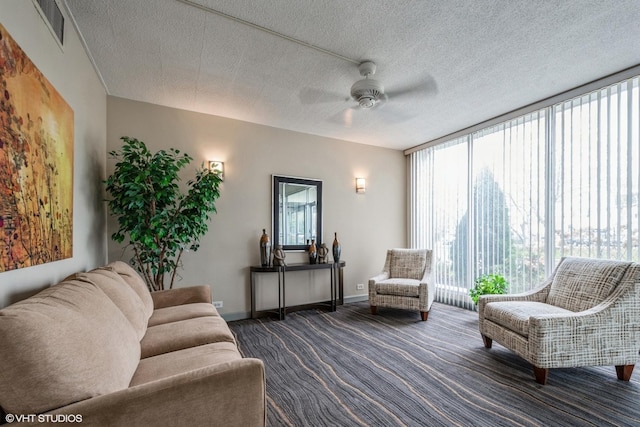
[{"x": 297, "y": 212}]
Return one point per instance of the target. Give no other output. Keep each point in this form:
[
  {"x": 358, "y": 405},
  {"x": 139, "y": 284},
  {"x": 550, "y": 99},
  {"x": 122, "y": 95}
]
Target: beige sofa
[{"x": 100, "y": 349}]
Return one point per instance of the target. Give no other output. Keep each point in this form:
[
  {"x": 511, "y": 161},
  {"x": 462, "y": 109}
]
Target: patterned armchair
[
  {"x": 406, "y": 282},
  {"x": 586, "y": 314}
]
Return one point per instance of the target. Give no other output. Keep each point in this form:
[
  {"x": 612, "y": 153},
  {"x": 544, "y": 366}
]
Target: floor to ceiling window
[{"x": 514, "y": 198}]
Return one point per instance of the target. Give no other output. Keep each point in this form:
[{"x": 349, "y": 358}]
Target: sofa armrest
[
  {"x": 179, "y": 296},
  {"x": 232, "y": 393},
  {"x": 607, "y": 334}
]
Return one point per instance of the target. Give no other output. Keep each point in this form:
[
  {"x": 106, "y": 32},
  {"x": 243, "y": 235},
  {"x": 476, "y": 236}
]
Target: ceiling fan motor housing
[{"x": 367, "y": 92}]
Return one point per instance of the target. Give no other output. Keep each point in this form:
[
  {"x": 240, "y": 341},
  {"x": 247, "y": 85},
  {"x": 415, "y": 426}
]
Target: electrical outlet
[
  {"x": 360, "y": 286},
  {"x": 217, "y": 304}
]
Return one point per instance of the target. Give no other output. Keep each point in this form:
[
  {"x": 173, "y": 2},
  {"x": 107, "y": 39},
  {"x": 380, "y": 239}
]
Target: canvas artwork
[{"x": 36, "y": 164}]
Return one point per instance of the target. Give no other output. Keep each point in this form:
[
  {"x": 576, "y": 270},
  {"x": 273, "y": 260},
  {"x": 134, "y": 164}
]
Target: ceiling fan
[{"x": 368, "y": 92}]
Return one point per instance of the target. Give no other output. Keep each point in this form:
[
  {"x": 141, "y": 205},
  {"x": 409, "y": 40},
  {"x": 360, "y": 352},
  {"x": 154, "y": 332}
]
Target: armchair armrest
[
  {"x": 179, "y": 296},
  {"x": 428, "y": 276},
  {"x": 233, "y": 392},
  {"x": 607, "y": 334},
  {"x": 372, "y": 284},
  {"x": 380, "y": 277}
]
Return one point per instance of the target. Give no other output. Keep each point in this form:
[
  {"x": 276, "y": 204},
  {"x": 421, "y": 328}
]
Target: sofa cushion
[
  {"x": 68, "y": 343},
  {"x": 580, "y": 284},
  {"x": 136, "y": 282},
  {"x": 177, "y": 362},
  {"x": 408, "y": 263},
  {"x": 122, "y": 295},
  {"x": 184, "y": 334},
  {"x": 181, "y": 312},
  {"x": 400, "y": 287},
  {"x": 515, "y": 315}
]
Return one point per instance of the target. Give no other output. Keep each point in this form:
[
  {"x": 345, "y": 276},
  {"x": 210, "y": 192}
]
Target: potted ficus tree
[
  {"x": 160, "y": 220},
  {"x": 488, "y": 284}
]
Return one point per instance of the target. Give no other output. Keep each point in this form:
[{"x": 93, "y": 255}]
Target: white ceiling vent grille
[{"x": 53, "y": 17}]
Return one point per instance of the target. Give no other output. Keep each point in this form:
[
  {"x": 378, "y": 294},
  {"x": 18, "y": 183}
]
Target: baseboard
[
  {"x": 356, "y": 298},
  {"x": 230, "y": 317}
]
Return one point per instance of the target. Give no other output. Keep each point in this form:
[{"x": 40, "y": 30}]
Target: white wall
[
  {"x": 367, "y": 224},
  {"x": 71, "y": 73}
]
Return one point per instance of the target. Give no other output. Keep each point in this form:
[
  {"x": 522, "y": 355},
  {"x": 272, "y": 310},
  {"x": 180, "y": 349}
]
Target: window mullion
[{"x": 550, "y": 131}]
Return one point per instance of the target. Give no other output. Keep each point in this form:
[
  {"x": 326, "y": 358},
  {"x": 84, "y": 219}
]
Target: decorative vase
[
  {"x": 265, "y": 249},
  {"x": 337, "y": 249},
  {"x": 313, "y": 252}
]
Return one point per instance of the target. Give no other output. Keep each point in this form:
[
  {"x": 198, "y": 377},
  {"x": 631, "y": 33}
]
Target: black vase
[{"x": 337, "y": 249}]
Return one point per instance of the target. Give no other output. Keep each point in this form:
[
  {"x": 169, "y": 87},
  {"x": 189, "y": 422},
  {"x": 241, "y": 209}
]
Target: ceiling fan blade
[
  {"x": 426, "y": 86},
  {"x": 390, "y": 114},
  {"x": 344, "y": 117},
  {"x": 311, "y": 96},
  {"x": 347, "y": 115}
]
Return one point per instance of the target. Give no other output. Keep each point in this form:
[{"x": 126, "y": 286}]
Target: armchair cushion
[
  {"x": 399, "y": 286},
  {"x": 408, "y": 263},
  {"x": 515, "y": 315},
  {"x": 584, "y": 283}
]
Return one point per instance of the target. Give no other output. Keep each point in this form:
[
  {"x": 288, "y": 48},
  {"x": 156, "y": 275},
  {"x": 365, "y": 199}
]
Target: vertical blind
[{"x": 514, "y": 198}]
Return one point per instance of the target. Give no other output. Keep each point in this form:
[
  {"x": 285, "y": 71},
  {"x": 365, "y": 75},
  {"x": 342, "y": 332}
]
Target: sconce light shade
[
  {"x": 361, "y": 185},
  {"x": 217, "y": 166}
]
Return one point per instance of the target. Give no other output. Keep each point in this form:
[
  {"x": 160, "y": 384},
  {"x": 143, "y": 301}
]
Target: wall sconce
[
  {"x": 218, "y": 167},
  {"x": 361, "y": 185}
]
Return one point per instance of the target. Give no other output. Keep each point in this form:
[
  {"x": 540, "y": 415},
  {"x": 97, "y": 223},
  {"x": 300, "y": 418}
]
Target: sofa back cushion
[
  {"x": 582, "y": 283},
  {"x": 408, "y": 263},
  {"x": 65, "y": 344},
  {"x": 122, "y": 295},
  {"x": 136, "y": 282}
]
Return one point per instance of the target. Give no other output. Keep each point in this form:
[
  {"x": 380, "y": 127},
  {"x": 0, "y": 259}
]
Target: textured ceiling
[{"x": 466, "y": 61}]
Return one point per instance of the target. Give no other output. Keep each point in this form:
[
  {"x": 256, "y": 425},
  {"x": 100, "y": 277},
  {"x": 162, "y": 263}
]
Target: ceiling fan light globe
[{"x": 367, "y": 102}]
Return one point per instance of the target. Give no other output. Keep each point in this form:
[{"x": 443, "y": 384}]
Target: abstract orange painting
[{"x": 36, "y": 164}]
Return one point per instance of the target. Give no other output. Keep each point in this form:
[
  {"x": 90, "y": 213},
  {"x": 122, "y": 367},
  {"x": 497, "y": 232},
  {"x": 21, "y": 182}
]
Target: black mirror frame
[{"x": 277, "y": 179}]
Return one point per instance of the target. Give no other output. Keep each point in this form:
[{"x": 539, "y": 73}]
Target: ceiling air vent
[{"x": 52, "y": 16}]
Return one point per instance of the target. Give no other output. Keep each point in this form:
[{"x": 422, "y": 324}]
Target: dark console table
[{"x": 335, "y": 282}]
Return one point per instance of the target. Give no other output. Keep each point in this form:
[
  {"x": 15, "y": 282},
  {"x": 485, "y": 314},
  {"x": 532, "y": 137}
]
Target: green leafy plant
[
  {"x": 488, "y": 284},
  {"x": 160, "y": 221}
]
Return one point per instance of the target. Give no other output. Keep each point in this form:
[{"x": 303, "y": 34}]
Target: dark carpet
[{"x": 350, "y": 368}]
